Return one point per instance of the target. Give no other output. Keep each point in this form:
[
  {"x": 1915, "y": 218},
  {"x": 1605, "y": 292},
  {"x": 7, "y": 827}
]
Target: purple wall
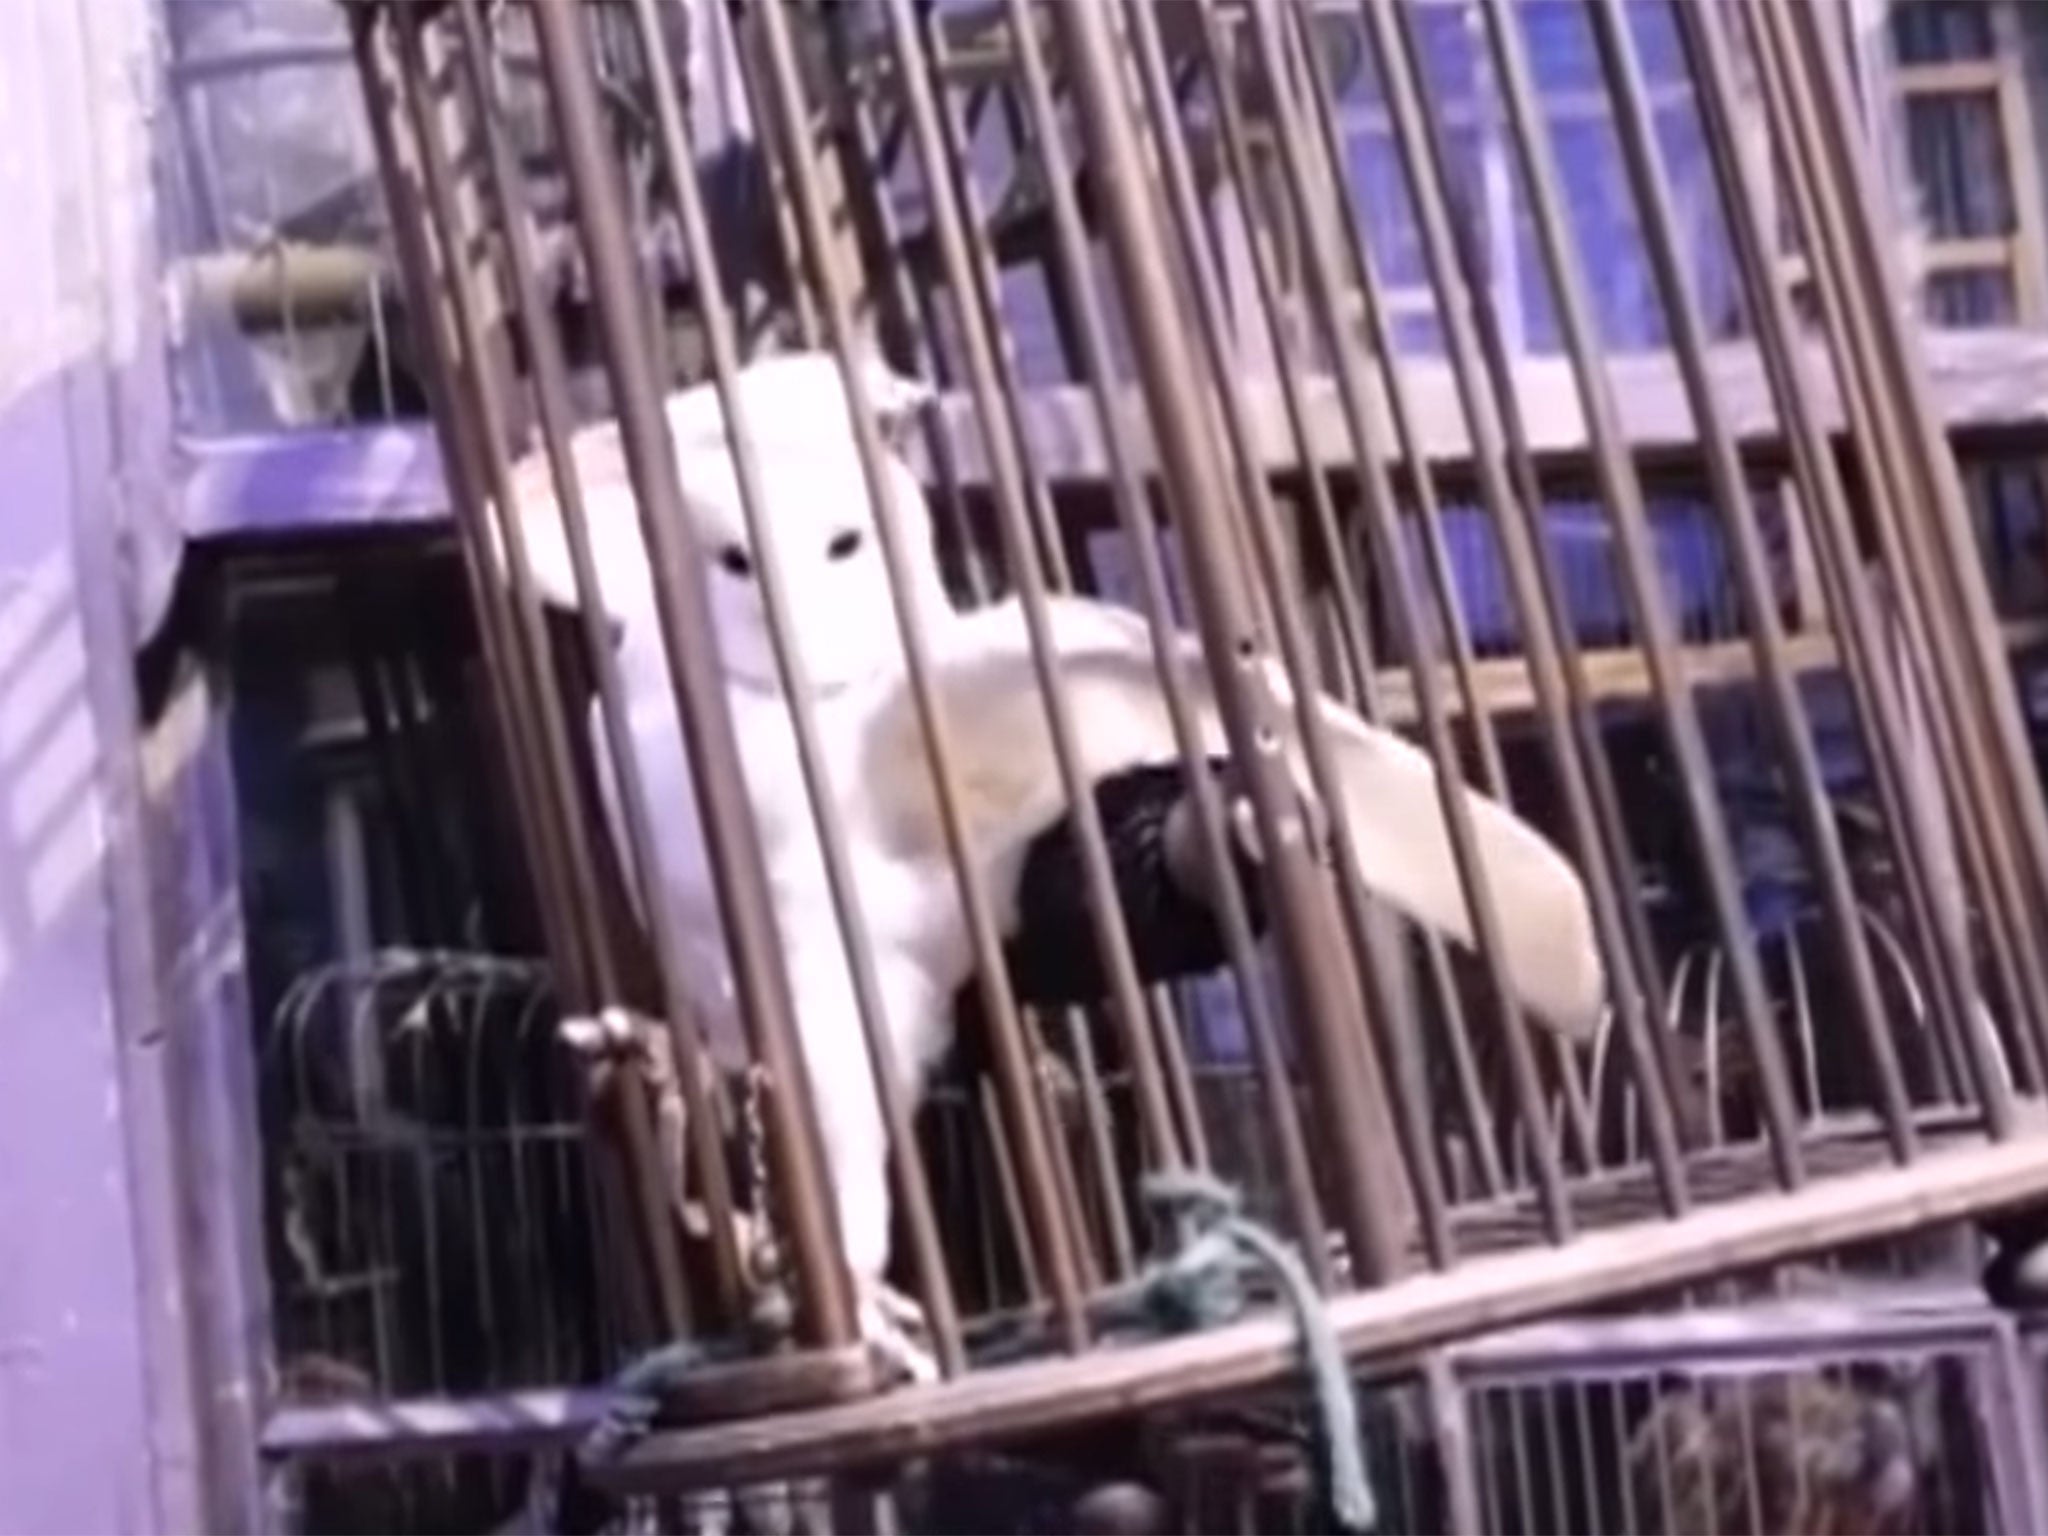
[
  {"x": 72, "y": 1421},
  {"x": 96, "y": 1424}
]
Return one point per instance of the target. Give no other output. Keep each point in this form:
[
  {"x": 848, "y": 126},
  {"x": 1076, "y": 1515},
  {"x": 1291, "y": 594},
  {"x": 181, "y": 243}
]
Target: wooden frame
[
  {"x": 2022, "y": 255},
  {"x": 1483, "y": 1294},
  {"x": 1986, "y": 383}
]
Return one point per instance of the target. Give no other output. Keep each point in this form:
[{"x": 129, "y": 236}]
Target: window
[
  {"x": 1961, "y": 83},
  {"x": 285, "y": 311},
  {"x": 435, "y": 1224},
  {"x": 1488, "y": 184},
  {"x": 2009, "y": 499},
  {"x": 1005, "y": 192},
  {"x": 1960, "y": 77}
]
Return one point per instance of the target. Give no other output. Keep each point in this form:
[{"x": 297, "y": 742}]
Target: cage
[
  {"x": 1894, "y": 1411},
  {"x": 1458, "y": 479}
]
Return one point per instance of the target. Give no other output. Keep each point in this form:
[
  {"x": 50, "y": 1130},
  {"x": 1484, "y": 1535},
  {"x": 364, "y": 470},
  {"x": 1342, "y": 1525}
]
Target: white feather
[
  {"x": 1391, "y": 793},
  {"x": 881, "y": 794}
]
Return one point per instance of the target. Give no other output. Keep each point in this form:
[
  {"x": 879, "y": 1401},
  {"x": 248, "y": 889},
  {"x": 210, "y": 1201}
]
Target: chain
[{"x": 765, "y": 1259}]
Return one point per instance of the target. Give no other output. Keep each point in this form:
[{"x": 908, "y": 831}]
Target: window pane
[
  {"x": 1942, "y": 31},
  {"x": 1559, "y": 37},
  {"x": 1958, "y": 156},
  {"x": 1451, "y": 49},
  {"x": 1560, "y": 43},
  {"x": 1658, "y": 50},
  {"x": 1385, "y": 212},
  {"x": 2012, "y": 525},
  {"x": 1612, "y": 257},
  {"x": 266, "y": 141},
  {"x": 1691, "y": 552},
  {"x": 1701, "y": 230},
  {"x": 1612, "y": 252},
  {"x": 1971, "y": 298},
  {"x": 1418, "y": 335}
]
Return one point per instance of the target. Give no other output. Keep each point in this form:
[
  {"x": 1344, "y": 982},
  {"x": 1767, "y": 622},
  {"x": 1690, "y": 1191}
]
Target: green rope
[
  {"x": 1197, "y": 1285},
  {"x": 1202, "y": 1283},
  {"x": 637, "y": 1391},
  {"x": 636, "y": 1394}
]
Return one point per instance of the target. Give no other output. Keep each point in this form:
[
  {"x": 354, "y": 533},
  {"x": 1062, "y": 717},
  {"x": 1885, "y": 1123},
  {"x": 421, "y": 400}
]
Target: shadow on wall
[{"x": 80, "y": 1447}]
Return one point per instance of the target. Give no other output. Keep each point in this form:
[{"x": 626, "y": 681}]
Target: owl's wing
[{"x": 1010, "y": 786}]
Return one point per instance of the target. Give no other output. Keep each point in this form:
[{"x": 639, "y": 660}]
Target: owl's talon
[{"x": 894, "y": 1327}]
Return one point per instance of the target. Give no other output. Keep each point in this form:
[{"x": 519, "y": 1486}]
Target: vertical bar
[
  {"x": 1251, "y": 716},
  {"x": 1134, "y": 513},
  {"x": 1621, "y": 492},
  {"x": 1818, "y": 477},
  {"x": 1013, "y": 501},
  {"x": 906, "y": 1164},
  {"x": 1903, "y": 366},
  {"x": 1382, "y": 525},
  {"x": 1362, "y": 270},
  {"x": 1116, "y": 1217},
  {"x": 477, "y": 349},
  {"x": 1847, "y": 324},
  {"x": 535, "y": 689},
  {"x": 825, "y": 1304},
  {"x": 774, "y": 164},
  {"x": 1946, "y": 555},
  {"x": 1513, "y": 496},
  {"x": 1361, "y": 924},
  {"x": 1648, "y": 179},
  {"x": 378, "y": 68},
  {"x": 904, "y": 309},
  {"x": 378, "y": 62},
  {"x": 1021, "y": 1222},
  {"x": 1456, "y": 1447},
  {"x": 1066, "y": 1183},
  {"x": 2018, "y": 1472},
  {"x": 1451, "y": 244},
  {"x": 548, "y": 371},
  {"x": 1165, "y": 1023},
  {"x": 971, "y": 277},
  {"x": 1013, "y": 1062},
  {"x": 1353, "y": 628},
  {"x": 1380, "y": 340}
]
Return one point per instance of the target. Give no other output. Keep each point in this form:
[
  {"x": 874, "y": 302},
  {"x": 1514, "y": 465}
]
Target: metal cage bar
[{"x": 1524, "y": 1177}]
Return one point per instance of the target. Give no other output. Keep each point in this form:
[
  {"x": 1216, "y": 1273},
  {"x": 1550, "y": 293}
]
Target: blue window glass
[{"x": 1600, "y": 211}]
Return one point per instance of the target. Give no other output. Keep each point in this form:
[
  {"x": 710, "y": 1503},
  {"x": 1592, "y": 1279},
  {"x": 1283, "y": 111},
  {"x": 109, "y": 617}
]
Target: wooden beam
[
  {"x": 1480, "y": 1295},
  {"x": 1617, "y": 674},
  {"x": 2022, "y": 168},
  {"x": 395, "y": 1429},
  {"x": 1892, "y": 1317},
  {"x": 1878, "y": 1317},
  {"x": 1983, "y": 381},
  {"x": 1956, "y": 77}
]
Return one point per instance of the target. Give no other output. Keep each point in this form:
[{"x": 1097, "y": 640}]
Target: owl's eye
[
  {"x": 735, "y": 561},
  {"x": 843, "y": 544}
]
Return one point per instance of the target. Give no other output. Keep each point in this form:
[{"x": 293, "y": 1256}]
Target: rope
[
  {"x": 636, "y": 1394},
  {"x": 1199, "y": 1283}
]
